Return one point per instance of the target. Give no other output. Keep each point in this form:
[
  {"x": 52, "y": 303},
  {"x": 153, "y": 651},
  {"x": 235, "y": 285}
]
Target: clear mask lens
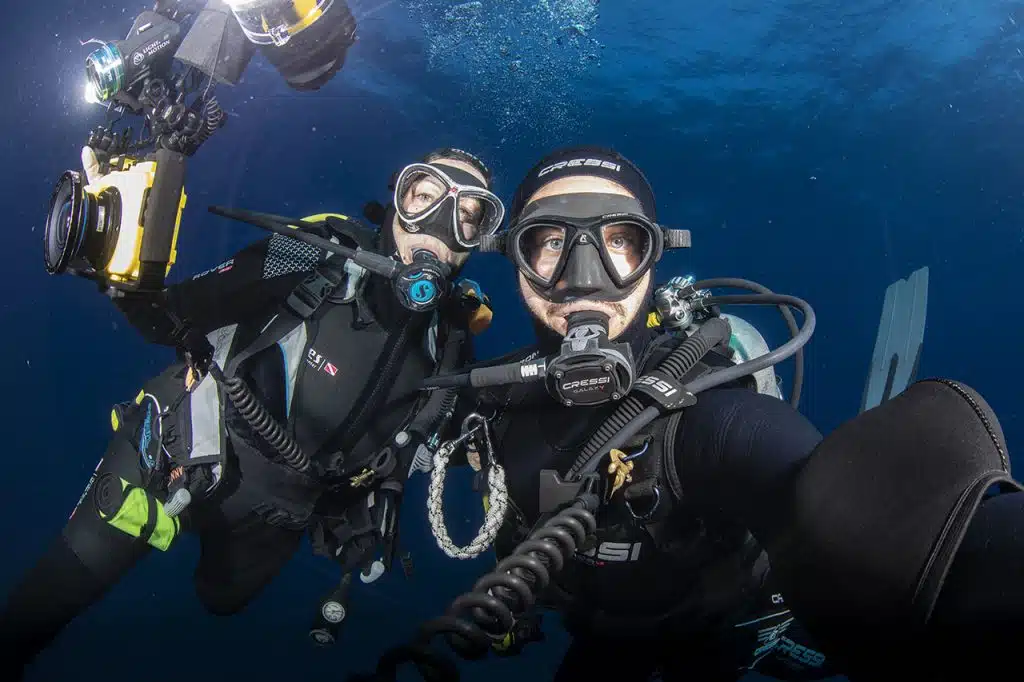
[
  {"x": 419, "y": 193},
  {"x": 542, "y": 248},
  {"x": 479, "y": 213},
  {"x": 627, "y": 247}
]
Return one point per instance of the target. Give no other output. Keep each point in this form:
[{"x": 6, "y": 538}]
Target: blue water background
[{"x": 821, "y": 148}]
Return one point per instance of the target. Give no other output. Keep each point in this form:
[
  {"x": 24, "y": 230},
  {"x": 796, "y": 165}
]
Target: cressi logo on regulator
[
  {"x": 583, "y": 385},
  {"x": 588, "y": 384}
]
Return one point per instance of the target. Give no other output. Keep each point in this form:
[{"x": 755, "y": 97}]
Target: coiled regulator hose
[
  {"x": 257, "y": 416},
  {"x": 487, "y": 613}
]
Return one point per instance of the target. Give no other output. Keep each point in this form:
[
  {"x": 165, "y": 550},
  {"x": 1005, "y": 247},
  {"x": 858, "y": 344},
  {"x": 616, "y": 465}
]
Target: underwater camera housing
[{"x": 122, "y": 230}]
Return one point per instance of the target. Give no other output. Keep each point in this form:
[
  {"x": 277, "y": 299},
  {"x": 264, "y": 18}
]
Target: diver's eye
[
  {"x": 554, "y": 243},
  {"x": 622, "y": 241}
]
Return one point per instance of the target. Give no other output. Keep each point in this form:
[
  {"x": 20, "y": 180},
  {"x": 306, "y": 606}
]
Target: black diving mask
[
  {"x": 587, "y": 245},
  {"x": 447, "y": 203}
]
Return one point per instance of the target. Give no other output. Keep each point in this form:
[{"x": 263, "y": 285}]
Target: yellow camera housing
[{"x": 134, "y": 185}]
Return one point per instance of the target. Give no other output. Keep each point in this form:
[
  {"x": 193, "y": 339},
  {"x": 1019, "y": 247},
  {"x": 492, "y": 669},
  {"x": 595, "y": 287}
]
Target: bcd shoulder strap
[{"x": 318, "y": 286}]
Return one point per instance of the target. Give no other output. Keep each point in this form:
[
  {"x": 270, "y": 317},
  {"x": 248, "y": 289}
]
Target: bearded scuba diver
[
  {"x": 685, "y": 593},
  {"x": 674, "y": 511},
  {"x": 295, "y": 408}
]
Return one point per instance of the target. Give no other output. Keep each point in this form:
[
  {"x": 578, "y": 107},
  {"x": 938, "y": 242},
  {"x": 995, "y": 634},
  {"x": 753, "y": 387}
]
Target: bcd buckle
[{"x": 305, "y": 298}]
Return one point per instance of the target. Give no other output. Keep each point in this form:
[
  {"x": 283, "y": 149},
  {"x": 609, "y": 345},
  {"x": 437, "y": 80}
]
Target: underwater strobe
[
  {"x": 305, "y": 40},
  {"x": 122, "y": 230}
]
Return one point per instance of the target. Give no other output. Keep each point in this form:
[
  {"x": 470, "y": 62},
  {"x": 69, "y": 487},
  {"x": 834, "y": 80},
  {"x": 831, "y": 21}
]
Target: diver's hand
[{"x": 91, "y": 165}]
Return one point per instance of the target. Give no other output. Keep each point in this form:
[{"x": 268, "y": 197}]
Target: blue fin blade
[{"x": 897, "y": 353}]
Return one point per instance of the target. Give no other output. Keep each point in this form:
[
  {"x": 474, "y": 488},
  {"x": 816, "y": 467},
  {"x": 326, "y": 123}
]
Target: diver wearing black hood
[
  {"x": 673, "y": 590},
  {"x": 312, "y": 425},
  {"x": 675, "y": 582}
]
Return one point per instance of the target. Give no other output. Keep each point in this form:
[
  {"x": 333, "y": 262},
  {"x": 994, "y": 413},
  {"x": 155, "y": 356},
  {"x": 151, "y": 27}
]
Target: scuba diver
[
  {"x": 685, "y": 521},
  {"x": 294, "y": 407}
]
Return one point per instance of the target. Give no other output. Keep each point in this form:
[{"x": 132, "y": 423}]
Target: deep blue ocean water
[{"x": 821, "y": 148}]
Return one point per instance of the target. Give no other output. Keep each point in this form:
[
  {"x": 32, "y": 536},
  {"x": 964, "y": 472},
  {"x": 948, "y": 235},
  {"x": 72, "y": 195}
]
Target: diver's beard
[
  {"x": 559, "y": 313},
  {"x": 621, "y": 314}
]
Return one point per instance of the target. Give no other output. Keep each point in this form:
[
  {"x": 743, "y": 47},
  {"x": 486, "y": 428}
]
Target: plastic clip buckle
[{"x": 313, "y": 290}]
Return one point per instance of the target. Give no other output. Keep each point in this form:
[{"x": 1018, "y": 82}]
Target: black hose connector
[
  {"x": 677, "y": 364},
  {"x": 496, "y": 375},
  {"x": 257, "y": 416},
  {"x": 502, "y": 375}
]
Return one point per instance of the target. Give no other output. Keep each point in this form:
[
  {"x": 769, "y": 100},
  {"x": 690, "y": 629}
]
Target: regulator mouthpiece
[{"x": 590, "y": 369}]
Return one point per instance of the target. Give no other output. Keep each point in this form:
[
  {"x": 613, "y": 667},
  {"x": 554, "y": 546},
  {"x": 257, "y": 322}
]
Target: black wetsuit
[
  {"x": 689, "y": 591},
  {"x": 244, "y": 541}
]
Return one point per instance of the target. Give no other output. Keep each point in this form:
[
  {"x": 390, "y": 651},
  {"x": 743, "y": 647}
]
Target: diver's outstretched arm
[
  {"x": 905, "y": 540},
  {"x": 252, "y": 282},
  {"x": 872, "y": 533}
]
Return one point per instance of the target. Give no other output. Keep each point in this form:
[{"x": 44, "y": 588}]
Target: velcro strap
[{"x": 147, "y": 529}]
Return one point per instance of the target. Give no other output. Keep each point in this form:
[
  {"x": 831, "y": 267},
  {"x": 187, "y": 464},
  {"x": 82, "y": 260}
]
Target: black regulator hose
[
  {"x": 257, "y": 416},
  {"x": 631, "y": 415},
  {"x": 443, "y": 401},
  {"x": 493, "y": 375},
  {"x": 787, "y": 316},
  {"x": 769, "y": 359},
  {"x": 677, "y": 364}
]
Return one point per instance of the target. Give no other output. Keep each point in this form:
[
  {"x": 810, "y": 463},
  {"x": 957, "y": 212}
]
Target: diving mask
[
  {"x": 587, "y": 245},
  {"x": 447, "y": 203}
]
